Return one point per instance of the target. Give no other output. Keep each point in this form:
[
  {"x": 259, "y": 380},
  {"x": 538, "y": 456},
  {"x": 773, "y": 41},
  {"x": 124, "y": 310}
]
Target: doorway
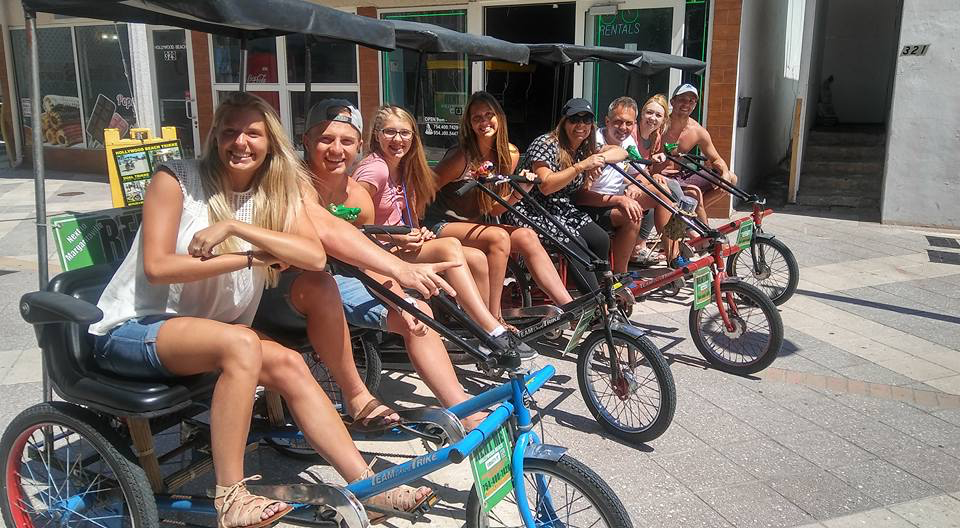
[
  {"x": 526, "y": 92},
  {"x": 636, "y": 25},
  {"x": 173, "y": 82}
]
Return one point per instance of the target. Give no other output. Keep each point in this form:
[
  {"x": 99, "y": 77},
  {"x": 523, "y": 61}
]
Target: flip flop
[{"x": 364, "y": 423}]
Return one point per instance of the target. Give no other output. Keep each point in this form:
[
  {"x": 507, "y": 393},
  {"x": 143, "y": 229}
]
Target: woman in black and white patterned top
[{"x": 564, "y": 160}]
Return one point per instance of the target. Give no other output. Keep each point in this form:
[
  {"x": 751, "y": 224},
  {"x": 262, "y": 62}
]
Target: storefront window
[
  {"x": 261, "y": 60},
  {"x": 104, "y": 57},
  {"x": 60, "y": 105},
  {"x": 299, "y": 113},
  {"x": 330, "y": 62},
  {"x": 444, "y": 83},
  {"x": 633, "y": 29}
]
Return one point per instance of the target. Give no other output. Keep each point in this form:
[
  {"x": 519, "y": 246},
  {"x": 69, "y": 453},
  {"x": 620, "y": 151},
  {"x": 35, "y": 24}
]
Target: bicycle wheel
[
  {"x": 640, "y": 405},
  {"x": 516, "y": 286},
  {"x": 561, "y": 493},
  {"x": 757, "y": 335},
  {"x": 367, "y": 358},
  {"x": 64, "y": 467},
  {"x": 777, "y": 273}
]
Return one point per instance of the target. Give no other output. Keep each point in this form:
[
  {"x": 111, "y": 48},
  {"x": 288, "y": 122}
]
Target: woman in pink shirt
[{"x": 401, "y": 184}]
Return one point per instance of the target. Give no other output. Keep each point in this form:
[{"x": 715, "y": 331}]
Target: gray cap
[{"x": 330, "y": 110}]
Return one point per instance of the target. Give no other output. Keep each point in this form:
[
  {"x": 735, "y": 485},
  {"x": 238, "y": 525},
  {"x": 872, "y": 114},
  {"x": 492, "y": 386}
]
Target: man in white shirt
[{"x": 611, "y": 201}]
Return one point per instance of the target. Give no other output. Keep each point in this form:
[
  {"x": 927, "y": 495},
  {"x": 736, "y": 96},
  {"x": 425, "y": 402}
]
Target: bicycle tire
[
  {"x": 779, "y": 274},
  {"x": 748, "y": 300},
  {"x": 71, "y": 427},
  {"x": 653, "y": 423},
  {"x": 577, "y": 477},
  {"x": 369, "y": 365}
]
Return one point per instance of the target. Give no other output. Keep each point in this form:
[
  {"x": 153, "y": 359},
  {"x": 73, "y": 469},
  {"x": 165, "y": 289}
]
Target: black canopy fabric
[
  {"x": 645, "y": 62},
  {"x": 429, "y": 38},
  {"x": 235, "y": 18}
]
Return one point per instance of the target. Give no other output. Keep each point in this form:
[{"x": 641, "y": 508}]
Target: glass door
[
  {"x": 636, "y": 25},
  {"x": 173, "y": 78}
]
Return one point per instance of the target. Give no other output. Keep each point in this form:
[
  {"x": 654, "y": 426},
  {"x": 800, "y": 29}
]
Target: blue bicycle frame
[{"x": 512, "y": 405}]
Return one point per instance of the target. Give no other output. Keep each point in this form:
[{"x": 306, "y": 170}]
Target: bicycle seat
[{"x": 68, "y": 353}]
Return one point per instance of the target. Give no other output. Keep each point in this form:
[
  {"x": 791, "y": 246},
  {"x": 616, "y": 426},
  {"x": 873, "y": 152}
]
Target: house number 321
[{"x": 916, "y": 49}]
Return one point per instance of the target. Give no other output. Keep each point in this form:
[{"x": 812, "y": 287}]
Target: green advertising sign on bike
[
  {"x": 491, "y": 468},
  {"x": 87, "y": 239},
  {"x": 745, "y": 234},
  {"x": 702, "y": 287}
]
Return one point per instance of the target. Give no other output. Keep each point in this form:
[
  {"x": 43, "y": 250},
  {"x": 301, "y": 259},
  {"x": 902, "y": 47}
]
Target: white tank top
[{"x": 229, "y": 298}]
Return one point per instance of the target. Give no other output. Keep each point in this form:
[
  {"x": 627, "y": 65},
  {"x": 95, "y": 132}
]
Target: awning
[
  {"x": 644, "y": 62},
  {"x": 430, "y": 38},
  {"x": 236, "y": 18}
]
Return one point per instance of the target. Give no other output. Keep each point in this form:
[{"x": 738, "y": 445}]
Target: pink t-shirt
[{"x": 388, "y": 200}]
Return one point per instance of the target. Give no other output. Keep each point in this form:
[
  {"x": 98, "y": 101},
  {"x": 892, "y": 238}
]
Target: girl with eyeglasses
[
  {"x": 484, "y": 139},
  {"x": 566, "y": 160},
  {"x": 400, "y": 182}
]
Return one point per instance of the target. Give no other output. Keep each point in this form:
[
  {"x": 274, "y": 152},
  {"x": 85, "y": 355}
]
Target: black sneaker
[{"x": 509, "y": 341}]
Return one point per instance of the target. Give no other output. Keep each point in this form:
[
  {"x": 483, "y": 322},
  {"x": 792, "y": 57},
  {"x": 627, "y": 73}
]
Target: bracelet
[{"x": 249, "y": 259}]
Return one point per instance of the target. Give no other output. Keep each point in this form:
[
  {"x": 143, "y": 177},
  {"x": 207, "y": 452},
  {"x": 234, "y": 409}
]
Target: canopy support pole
[
  {"x": 307, "y": 74},
  {"x": 418, "y": 106},
  {"x": 555, "y": 108},
  {"x": 40, "y": 193},
  {"x": 243, "y": 63}
]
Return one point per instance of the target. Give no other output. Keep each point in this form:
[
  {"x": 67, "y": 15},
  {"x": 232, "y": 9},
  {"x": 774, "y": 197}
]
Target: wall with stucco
[
  {"x": 922, "y": 180},
  {"x": 766, "y": 139}
]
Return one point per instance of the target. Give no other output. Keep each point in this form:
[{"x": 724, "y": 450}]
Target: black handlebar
[
  {"x": 497, "y": 178},
  {"x": 372, "y": 229}
]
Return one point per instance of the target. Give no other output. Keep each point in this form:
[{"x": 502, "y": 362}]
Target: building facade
[{"x": 97, "y": 74}]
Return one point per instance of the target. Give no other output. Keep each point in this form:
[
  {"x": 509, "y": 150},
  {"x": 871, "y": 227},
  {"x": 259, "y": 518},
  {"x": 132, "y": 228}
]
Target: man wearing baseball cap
[{"x": 689, "y": 134}]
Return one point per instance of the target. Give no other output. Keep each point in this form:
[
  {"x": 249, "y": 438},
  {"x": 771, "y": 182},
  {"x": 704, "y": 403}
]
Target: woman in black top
[{"x": 566, "y": 160}]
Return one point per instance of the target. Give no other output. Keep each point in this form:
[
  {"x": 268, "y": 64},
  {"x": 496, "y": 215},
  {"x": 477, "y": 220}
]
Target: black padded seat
[{"x": 68, "y": 351}]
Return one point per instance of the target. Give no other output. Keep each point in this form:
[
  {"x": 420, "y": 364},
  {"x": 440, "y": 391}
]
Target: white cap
[{"x": 686, "y": 88}]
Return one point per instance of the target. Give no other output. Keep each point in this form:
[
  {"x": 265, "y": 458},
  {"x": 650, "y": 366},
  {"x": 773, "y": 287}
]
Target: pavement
[{"x": 857, "y": 423}]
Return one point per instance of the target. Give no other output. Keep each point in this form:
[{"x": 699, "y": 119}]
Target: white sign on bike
[
  {"x": 702, "y": 287},
  {"x": 491, "y": 468},
  {"x": 745, "y": 234}
]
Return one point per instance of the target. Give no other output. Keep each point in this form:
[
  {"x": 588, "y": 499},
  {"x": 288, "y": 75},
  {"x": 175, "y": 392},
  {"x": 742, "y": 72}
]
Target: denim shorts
[
  {"x": 130, "y": 349},
  {"x": 360, "y": 307}
]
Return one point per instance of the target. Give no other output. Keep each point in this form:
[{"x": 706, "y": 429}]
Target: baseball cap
[
  {"x": 575, "y": 106},
  {"x": 685, "y": 88},
  {"x": 329, "y": 110}
]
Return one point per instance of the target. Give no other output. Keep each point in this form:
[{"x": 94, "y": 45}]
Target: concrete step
[
  {"x": 843, "y": 167},
  {"x": 838, "y": 200},
  {"x": 863, "y": 153},
  {"x": 853, "y": 185},
  {"x": 846, "y": 138}
]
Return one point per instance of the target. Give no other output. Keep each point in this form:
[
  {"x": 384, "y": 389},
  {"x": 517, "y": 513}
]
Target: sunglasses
[{"x": 580, "y": 119}]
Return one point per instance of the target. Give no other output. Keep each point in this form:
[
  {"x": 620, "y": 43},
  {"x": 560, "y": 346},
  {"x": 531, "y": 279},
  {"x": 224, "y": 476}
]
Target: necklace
[{"x": 647, "y": 142}]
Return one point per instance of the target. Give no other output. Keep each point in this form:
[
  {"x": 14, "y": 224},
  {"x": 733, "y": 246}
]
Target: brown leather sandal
[
  {"x": 401, "y": 498},
  {"x": 363, "y": 422},
  {"x": 238, "y": 508}
]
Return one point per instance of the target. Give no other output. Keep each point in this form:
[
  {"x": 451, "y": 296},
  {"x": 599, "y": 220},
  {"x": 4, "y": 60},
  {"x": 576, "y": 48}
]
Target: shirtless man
[{"x": 688, "y": 133}]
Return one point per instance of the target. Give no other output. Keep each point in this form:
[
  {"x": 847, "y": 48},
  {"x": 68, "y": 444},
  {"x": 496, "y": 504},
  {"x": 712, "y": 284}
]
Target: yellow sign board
[{"x": 131, "y": 161}]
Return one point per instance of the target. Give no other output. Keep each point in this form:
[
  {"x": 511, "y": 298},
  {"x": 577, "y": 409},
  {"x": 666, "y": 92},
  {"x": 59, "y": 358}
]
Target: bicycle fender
[
  {"x": 631, "y": 330},
  {"x": 544, "y": 452},
  {"x": 765, "y": 236}
]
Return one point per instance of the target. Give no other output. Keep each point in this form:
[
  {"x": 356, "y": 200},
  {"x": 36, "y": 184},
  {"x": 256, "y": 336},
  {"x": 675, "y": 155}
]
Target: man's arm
[
  {"x": 705, "y": 142},
  {"x": 345, "y": 242}
]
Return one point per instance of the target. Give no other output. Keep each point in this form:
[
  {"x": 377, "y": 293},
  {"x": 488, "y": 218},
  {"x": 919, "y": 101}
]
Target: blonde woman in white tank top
[{"x": 214, "y": 232}]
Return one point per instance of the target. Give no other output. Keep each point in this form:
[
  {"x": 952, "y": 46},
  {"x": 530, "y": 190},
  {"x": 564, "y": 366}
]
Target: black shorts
[{"x": 600, "y": 215}]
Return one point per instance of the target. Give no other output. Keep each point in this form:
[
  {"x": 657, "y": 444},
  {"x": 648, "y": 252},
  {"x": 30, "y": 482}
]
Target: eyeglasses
[
  {"x": 391, "y": 133},
  {"x": 580, "y": 119}
]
